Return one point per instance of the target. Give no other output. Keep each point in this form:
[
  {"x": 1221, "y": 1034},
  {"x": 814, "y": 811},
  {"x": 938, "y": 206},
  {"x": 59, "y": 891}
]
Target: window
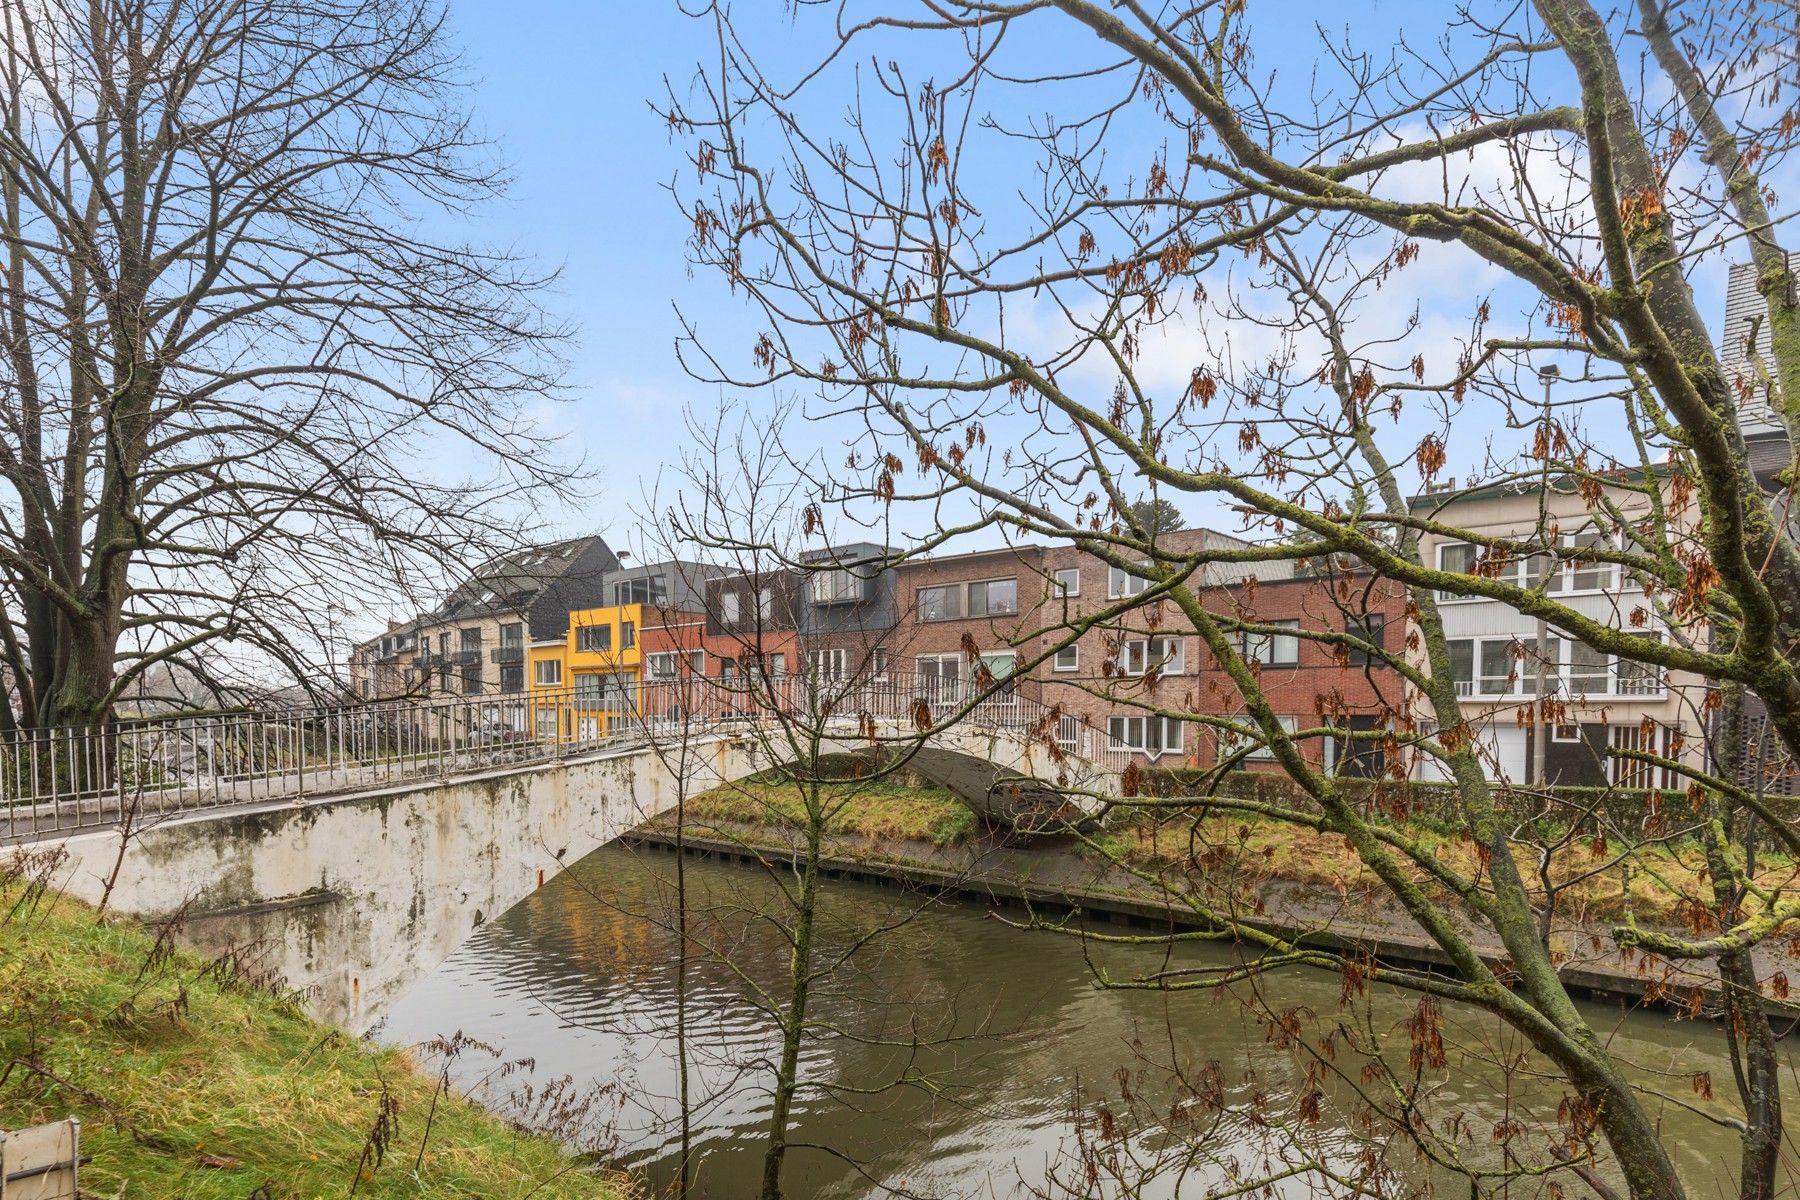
[
  {"x": 836, "y": 586},
  {"x": 512, "y": 679},
  {"x": 1068, "y": 659},
  {"x": 471, "y": 681},
  {"x": 548, "y": 672},
  {"x": 1165, "y": 655},
  {"x": 1000, "y": 667},
  {"x": 1640, "y": 679},
  {"x": 827, "y": 664},
  {"x": 1565, "y": 733},
  {"x": 1501, "y": 663},
  {"x": 878, "y": 663},
  {"x": 627, "y": 634},
  {"x": 940, "y": 603},
  {"x": 1461, "y": 558},
  {"x": 1493, "y": 666},
  {"x": 765, "y": 604},
  {"x": 727, "y": 667},
  {"x": 662, "y": 666},
  {"x": 1585, "y": 670},
  {"x": 778, "y": 664},
  {"x": 1066, "y": 582},
  {"x": 1371, "y": 628},
  {"x": 1121, "y": 583},
  {"x": 730, "y": 608},
  {"x": 1153, "y": 736},
  {"x": 1273, "y": 649},
  {"x": 589, "y": 689},
  {"x": 993, "y": 598},
  {"x": 1230, "y": 742},
  {"x": 940, "y": 676},
  {"x": 1501, "y": 666},
  {"x": 593, "y": 639},
  {"x": 1586, "y": 575},
  {"x": 471, "y": 639},
  {"x": 512, "y": 634},
  {"x": 648, "y": 589}
]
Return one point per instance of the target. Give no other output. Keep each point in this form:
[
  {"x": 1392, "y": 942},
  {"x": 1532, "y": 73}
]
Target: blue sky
[{"x": 564, "y": 89}]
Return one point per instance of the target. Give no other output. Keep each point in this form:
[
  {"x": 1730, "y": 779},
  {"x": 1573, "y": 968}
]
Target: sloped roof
[{"x": 512, "y": 581}]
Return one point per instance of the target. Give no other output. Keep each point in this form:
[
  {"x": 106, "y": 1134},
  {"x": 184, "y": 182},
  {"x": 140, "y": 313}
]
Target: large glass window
[
  {"x": 646, "y": 589},
  {"x": 1166, "y": 655},
  {"x": 1585, "y": 670},
  {"x": 993, "y": 597},
  {"x": 1068, "y": 658},
  {"x": 1153, "y": 736},
  {"x": 1273, "y": 649},
  {"x": 1067, "y": 582},
  {"x": 548, "y": 673},
  {"x": 836, "y": 586},
  {"x": 940, "y": 677},
  {"x": 593, "y": 639},
  {"x": 1121, "y": 583},
  {"x": 1584, "y": 575},
  {"x": 1640, "y": 679},
  {"x": 940, "y": 603}
]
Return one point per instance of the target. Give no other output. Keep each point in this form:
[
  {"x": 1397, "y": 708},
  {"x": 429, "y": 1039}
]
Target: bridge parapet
[{"x": 55, "y": 782}]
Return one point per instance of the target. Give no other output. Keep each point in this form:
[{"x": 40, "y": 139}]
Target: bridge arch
[{"x": 351, "y": 897}]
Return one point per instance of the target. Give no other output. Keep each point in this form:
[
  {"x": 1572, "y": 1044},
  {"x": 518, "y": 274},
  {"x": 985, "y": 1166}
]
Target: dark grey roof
[{"x": 512, "y": 582}]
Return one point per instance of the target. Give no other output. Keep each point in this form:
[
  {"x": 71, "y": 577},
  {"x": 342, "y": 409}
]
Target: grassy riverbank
[
  {"x": 879, "y": 810},
  {"x": 1240, "y": 853},
  {"x": 192, "y": 1080}
]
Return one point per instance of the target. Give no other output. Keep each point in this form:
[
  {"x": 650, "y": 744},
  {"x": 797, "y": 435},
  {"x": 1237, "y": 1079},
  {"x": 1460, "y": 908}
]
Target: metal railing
[{"x": 59, "y": 780}]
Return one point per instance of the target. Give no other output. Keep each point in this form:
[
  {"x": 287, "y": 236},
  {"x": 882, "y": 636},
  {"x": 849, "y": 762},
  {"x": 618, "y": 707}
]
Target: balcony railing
[
  {"x": 507, "y": 653},
  {"x": 466, "y": 657}
]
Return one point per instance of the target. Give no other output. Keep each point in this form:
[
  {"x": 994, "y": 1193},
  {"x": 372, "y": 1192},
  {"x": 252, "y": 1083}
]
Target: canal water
[{"x": 959, "y": 1056}]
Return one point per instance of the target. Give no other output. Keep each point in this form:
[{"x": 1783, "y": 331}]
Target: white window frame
[
  {"x": 1136, "y": 735},
  {"x": 730, "y": 608},
  {"x": 828, "y": 664},
  {"x": 1119, "y": 584},
  {"x": 1136, "y": 655},
  {"x": 1066, "y": 582},
  {"x": 663, "y": 665},
  {"x": 1564, "y": 583},
  {"x": 555, "y": 673},
  {"x": 584, "y": 635},
  {"x": 1262, "y": 751},
  {"x": 1515, "y": 572},
  {"x": 836, "y": 585},
  {"x": 1073, "y": 663},
  {"x": 1522, "y": 670}
]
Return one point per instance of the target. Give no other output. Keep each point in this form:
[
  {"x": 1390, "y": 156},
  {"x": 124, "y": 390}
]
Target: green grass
[
  {"x": 190, "y": 1082},
  {"x": 877, "y": 809}
]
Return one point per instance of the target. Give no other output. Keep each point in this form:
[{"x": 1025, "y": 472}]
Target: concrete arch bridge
[{"x": 360, "y": 846}]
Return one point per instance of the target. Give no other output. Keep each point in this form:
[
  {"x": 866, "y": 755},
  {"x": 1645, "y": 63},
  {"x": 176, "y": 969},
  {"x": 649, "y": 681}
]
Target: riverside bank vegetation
[{"x": 200, "y": 1079}]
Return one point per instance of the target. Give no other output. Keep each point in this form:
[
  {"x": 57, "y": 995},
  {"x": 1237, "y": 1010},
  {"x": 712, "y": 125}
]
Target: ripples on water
[{"x": 581, "y": 978}]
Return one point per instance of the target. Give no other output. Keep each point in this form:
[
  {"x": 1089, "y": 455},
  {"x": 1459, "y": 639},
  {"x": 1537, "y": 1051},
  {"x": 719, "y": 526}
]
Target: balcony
[
  {"x": 465, "y": 658},
  {"x": 507, "y": 653}
]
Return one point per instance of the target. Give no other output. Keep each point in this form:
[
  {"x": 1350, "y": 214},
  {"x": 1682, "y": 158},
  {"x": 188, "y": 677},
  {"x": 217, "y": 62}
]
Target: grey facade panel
[{"x": 1743, "y": 304}]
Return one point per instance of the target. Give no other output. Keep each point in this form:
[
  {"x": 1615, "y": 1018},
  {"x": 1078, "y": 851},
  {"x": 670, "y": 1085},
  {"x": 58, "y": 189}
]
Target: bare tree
[
  {"x": 1004, "y": 246},
  {"x": 235, "y": 317}
]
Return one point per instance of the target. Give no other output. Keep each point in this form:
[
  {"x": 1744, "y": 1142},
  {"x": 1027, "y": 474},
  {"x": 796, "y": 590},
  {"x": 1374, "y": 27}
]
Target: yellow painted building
[{"x": 587, "y": 682}]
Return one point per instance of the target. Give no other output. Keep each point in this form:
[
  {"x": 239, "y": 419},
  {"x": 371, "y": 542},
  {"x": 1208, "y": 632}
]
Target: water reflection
[{"x": 986, "y": 1034}]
